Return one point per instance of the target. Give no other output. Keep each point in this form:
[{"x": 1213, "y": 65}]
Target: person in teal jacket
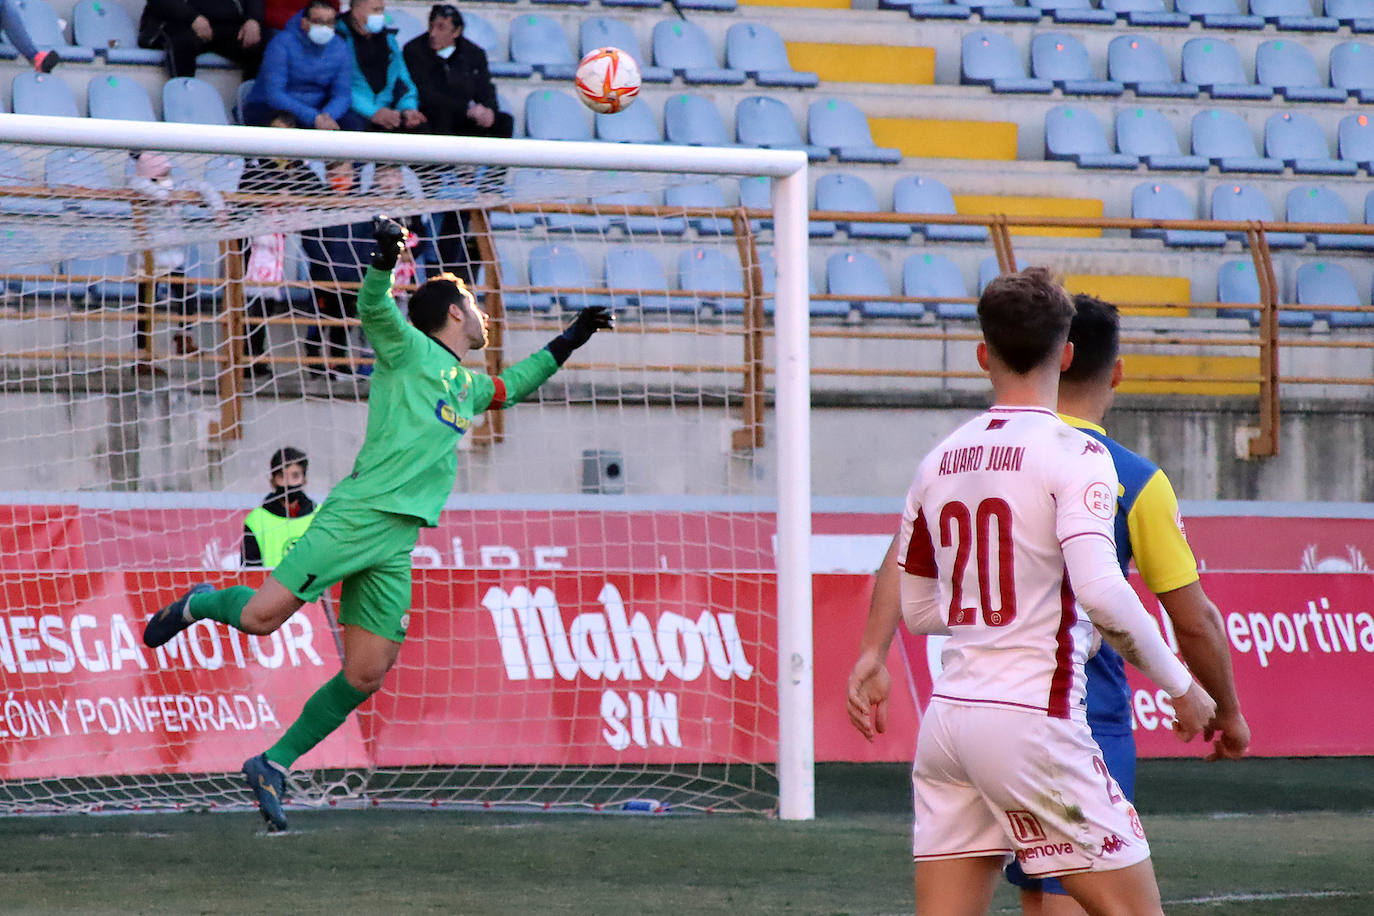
[{"x": 384, "y": 95}]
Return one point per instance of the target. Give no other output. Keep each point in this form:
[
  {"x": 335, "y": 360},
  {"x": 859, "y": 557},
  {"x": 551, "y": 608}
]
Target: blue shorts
[{"x": 1118, "y": 752}]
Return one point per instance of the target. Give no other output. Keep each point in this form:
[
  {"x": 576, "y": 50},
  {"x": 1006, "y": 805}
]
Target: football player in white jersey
[{"x": 1003, "y": 515}]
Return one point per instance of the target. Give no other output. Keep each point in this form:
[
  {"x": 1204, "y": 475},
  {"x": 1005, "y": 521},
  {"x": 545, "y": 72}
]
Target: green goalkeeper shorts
[{"x": 369, "y": 552}]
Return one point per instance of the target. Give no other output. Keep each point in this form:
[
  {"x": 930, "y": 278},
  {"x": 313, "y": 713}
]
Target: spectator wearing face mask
[
  {"x": 306, "y": 72},
  {"x": 456, "y": 91},
  {"x": 272, "y": 529},
  {"x": 384, "y": 96}
]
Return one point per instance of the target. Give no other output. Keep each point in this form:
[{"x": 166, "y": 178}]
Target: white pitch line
[{"x": 1241, "y": 898}]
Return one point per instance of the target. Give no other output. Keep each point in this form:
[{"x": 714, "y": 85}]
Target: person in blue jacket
[
  {"x": 384, "y": 95},
  {"x": 307, "y": 72}
]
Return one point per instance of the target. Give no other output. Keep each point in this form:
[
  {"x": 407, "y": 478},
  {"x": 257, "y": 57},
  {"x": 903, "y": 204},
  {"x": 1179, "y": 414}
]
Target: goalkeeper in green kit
[{"x": 421, "y": 402}]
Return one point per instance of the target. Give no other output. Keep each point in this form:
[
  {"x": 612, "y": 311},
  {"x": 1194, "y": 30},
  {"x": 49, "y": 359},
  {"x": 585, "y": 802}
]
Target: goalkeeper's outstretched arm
[{"x": 517, "y": 382}]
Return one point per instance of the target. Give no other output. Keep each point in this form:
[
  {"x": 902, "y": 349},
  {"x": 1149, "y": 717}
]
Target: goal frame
[{"x": 787, "y": 168}]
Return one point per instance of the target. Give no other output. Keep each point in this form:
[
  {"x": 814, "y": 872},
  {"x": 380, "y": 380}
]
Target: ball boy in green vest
[{"x": 273, "y": 528}]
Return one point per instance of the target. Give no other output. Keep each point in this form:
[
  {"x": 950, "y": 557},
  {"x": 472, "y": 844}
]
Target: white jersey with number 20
[{"x": 987, "y": 515}]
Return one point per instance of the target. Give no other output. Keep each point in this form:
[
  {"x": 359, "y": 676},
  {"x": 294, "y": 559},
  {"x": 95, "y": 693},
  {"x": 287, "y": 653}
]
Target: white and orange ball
[{"x": 607, "y": 80}]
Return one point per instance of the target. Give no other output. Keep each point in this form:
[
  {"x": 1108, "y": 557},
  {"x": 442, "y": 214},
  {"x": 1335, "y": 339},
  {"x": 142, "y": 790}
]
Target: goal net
[{"x": 595, "y": 621}]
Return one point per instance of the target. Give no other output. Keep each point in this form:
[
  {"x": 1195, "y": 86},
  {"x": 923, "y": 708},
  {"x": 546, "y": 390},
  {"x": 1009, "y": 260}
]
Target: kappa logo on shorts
[
  {"x": 1112, "y": 845},
  {"x": 405, "y": 621},
  {"x": 1135, "y": 823},
  {"x": 1025, "y": 827}
]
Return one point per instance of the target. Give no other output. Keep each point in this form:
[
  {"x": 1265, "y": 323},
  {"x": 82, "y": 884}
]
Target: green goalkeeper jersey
[{"x": 421, "y": 402}]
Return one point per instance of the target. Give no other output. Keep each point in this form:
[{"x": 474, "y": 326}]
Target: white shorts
[{"x": 989, "y": 780}]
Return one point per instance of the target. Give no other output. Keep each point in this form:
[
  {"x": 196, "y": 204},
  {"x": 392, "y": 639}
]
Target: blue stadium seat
[
  {"x": 630, "y": 125},
  {"x": 1241, "y": 203},
  {"x": 120, "y": 98},
  {"x": 842, "y": 128},
  {"x": 1139, "y": 63},
  {"x": 989, "y": 11},
  {"x": 1147, "y": 13},
  {"x": 914, "y": 194},
  {"x": 514, "y": 273},
  {"x": 612, "y": 33},
  {"x": 691, "y": 120},
  {"x": 684, "y": 48},
  {"x": 1215, "y": 66},
  {"x": 1218, "y": 14},
  {"x": 767, "y": 122},
  {"x": 635, "y": 224},
  {"x": 934, "y": 275},
  {"x": 43, "y": 94},
  {"x": 188, "y": 100},
  {"x": 107, "y": 29},
  {"x": 1298, "y": 140},
  {"x": 539, "y": 42},
  {"x": 1075, "y": 11},
  {"x": 1075, "y": 134},
  {"x": 1353, "y": 13},
  {"x": 769, "y": 266},
  {"x": 838, "y": 191},
  {"x": 1293, "y": 15},
  {"x": 1061, "y": 58},
  {"x": 638, "y": 270},
  {"x": 705, "y": 194},
  {"x": 1164, "y": 201},
  {"x": 759, "y": 51},
  {"x": 989, "y": 269},
  {"x": 930, "y": 9},
  {"x": 223, "y": 173},
  {"x": 710, "y": 270},
  {"x": 46, "y": 30},
  {"x": 991, "y": 59},
  {"x": 562, "y": 266},
  {"x": 1238, "y": 283},
  {"x": 1352, "y": 68},
  {"x": 483, "y": 34},
  {"x": 83, "y": 169},
  {"x": 1223, "y": 137},
  {"x": 112, "y": 290},
  {"x": 241, "y": 99},
  {"x": 1318, "y": 204},
  {"x": 551, "y": 114},
  {"x": 525, "y": 184},
  {"x": 1147, "y": 135},
  {"x": 1355, "y": 141},
  {"x": 14, "y": 173},
  {"x": 406, "y": 25},
  {"x": 857, "y": 274},
  {"x": 1331, "y": 284},
  {"x": 715, "y": 6},
  {"x": 1291, "y": 69},
  {"x": 757, "y": 194}
]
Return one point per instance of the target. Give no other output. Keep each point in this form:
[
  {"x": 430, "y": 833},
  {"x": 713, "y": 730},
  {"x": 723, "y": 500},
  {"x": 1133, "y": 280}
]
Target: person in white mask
[
  {"x": 307, "y": 73},
  {"x": 383, "y": 93},
  {"x": 456, "y": 92}
]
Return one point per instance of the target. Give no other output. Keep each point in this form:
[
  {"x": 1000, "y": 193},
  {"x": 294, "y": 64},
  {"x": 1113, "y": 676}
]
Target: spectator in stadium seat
[
  {"x": 451, "y": 74},
  {"x": 272, "y": 529},
  {"x": 307, "y": 72},
  {"x": 17, "y": 32},
  {"x": 279, "y": 13},
  {"x": 384, "y": 96},
  {"x": 185, "y": 28}
]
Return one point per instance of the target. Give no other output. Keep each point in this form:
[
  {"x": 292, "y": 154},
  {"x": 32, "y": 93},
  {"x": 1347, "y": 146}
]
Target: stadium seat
[
  {"x": 188, "y": 100},
  {"x": 757, "y": 194},
  {"x": 483, "y": 34},
  {"x": 1147, "y": 135},
  {"x": 514, "y": 274},
  {"x": 639, "y": 224},
  {"x": 1238, "y": 283},
  {"x": 1293, "y": 15},
  {"x": 1241, "y": 203},
  {"x": 1147, "y": 13},
  {"x": 914, "y": 194},
  {"x": 1164, "y": 201},
  {"x": 1291, "y": 70},
  {"x": 101, "y": 293},
  {"x": 43, "y": 94},
  {"x": 1352, "y": 68},
  {"x": 1356, "y": 14},
  {"x": 1139, "y": 63},
  {"x": 107, "y": 29},
  {"x": 934, "y": 275},
  {"x": 710, "y": 270},
  {"x": 223, "y": 173},
  {"x": 120, "y": 98},
  {"x": 1224, "y": 138},
  {"x": 840, "y": 192},
  {"x": 1074, "y": 11},
  {"x": 684, "y": 48},
  {"x": 14, "y": 173},
  {"x": 525, "y": 184},
  {"x": 1215, "y": 66},
  {"x": 1061, "y": 58},
  {"x": 842, "y": 128},
  {"x": 406, "y": 25},
  {"x": 691, "y": 120},
  {"x": 989, "y": 269},
  {"x": 561, "y": 266},
  {"x": 1075, "y": 134},
  {"x": 1318, "y": 204},
  {"x": 991, "y": 59},
  {"x": 759, "y": 52},
  {"x": 83, "y": 168},
  {"x": 716, "y": 6},
  {"x": 989, "y": 10},
  {"x": 1297, "y": 139},
  {"x": 612, "y": 33},
  {"x": 1355, "y": 141},
  {"x": 638, "y": 270},
  {"x": 630, "y": 125},
  {"x": 1331, "y": 284},
  {"x": 241, "y": 99},
  {"x": 1218, "y": 14},
  {"x": 539, "y": 42},
  {"x": 705, "y": 194},
  {"x": 857, "y": 274},
  {"x": 551, "y": 114},
  {"x": 46, "y": 31},
  {"x": 764, "y": 121},
  {"x": 932, "y": 9}
]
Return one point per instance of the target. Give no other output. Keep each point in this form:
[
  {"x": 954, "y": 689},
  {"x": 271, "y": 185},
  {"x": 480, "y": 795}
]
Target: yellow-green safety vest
[{"x": 276, "y": 535}]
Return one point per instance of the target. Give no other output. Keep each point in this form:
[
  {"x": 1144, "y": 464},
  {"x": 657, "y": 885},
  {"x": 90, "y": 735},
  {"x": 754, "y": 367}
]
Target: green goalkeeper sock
[
  {"x": 323, "y": 713},
  {"x": 224, "y": 605}
]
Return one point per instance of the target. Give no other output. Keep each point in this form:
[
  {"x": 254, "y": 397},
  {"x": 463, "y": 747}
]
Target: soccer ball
[{"x": 607, "y": 80}]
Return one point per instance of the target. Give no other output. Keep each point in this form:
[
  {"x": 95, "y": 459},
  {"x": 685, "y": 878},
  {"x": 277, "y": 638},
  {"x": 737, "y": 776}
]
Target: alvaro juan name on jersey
[
  {"x": 987, "y": 514},
  {"x": 421, "y": 402}
]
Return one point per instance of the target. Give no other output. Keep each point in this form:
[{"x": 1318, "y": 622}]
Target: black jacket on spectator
[
  {"x": 167, "y": 24},
  {"x": 448, "y": 86}
]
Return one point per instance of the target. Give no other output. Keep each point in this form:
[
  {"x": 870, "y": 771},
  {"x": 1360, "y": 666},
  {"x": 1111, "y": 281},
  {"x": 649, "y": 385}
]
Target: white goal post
[{"x": 581, "y": 171}]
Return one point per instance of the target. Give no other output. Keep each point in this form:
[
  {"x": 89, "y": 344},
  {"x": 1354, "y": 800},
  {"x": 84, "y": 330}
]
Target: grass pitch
[{"x": 1259, "y": 837}]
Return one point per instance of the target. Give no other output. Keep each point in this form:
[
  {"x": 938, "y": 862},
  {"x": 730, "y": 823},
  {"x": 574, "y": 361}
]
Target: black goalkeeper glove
[
  {"x": 588, "y": 322},
  {"x": 391, "y": 241}
]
